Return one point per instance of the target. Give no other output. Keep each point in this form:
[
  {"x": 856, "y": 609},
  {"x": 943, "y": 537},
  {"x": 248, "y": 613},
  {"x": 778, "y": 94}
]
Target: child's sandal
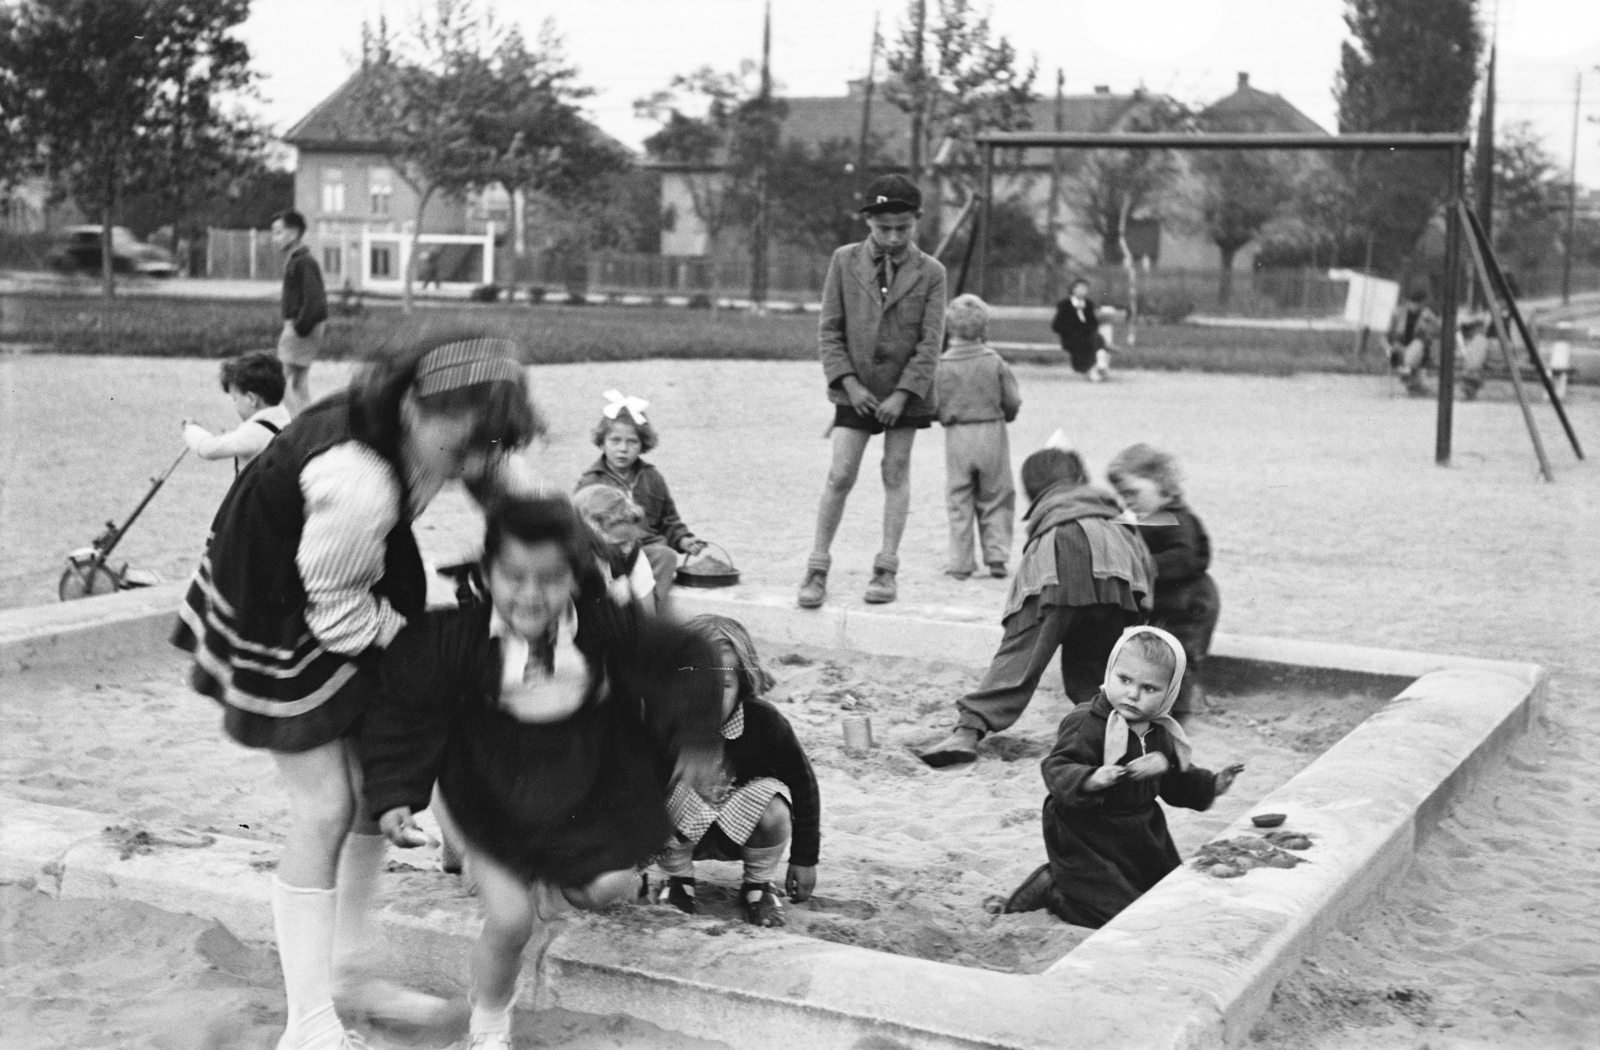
[{"x": 760, "y": 904}]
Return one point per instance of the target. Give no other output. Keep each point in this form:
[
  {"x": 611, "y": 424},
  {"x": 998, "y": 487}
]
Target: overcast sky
[{"x": 1192, "y": 49}]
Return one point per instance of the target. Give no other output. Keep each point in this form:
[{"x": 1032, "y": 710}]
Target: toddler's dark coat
[
  {"x": 1106, "y": 848},
  {"x": 1186, "y": 601}
]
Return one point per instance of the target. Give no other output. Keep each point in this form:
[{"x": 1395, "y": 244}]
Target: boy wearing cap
[{"x": 880, "y": 336}]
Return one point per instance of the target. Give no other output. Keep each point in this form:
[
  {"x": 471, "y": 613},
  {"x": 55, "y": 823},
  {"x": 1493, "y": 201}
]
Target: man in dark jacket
[{"x": 305, "y": 309}]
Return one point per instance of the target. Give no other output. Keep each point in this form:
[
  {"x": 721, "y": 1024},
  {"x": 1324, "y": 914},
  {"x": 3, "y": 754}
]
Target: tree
[
  {"x": 1530, "y": 198},
  {"x": 955, "y": 79},
  {"x": 813, "y": 191},
  {"x": 1241, "y": 192},
  {"x": 118, "y": 95},
  {"x": 1410, "y": 66},
  {"x": 1112, "y": 187}
]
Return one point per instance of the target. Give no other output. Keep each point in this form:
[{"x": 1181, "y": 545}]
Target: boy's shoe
[
  {"x": 882, "y": 589},
  {"x": 813, "y": 589},
  {"x": 680, "y": 894},
  {"x": 959, "y": 748},
  {"x": 1033, "y": 894},
  {"x": 960, "y": 575},
  {"x": 760, "y": 904},
  {"x": 998, "y": 571}
]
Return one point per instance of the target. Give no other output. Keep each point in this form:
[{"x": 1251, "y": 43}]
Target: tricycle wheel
[{"x": 85, "y": 582}]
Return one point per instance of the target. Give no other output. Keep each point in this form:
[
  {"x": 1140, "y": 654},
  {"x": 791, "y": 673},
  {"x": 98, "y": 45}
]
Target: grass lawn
[{"x": 1329, "y": 521}]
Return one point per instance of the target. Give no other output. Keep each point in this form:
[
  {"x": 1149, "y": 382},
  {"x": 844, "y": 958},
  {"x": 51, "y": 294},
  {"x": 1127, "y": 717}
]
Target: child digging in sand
[
  {"x": 623, "y": 435},
  {"x": 976, "y": 396},
  {"x": 1083, "y": 578},
  {"x": 550, "y": 718},
  {"x": 771, "y": 793},
  {"x": 1106, "y": 837},
  {"x": 254, "y": 383},
  {"x": 1186, "y": 602}
]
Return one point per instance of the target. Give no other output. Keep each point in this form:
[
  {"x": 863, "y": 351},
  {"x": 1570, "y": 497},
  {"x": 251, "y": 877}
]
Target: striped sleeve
[{"x": 351, "y": 503}]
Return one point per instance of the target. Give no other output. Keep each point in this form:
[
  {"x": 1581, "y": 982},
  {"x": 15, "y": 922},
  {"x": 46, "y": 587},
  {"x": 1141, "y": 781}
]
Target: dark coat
[
  {"x": 649, "y": 490},
  {"x": 304, "y": 300},
  {"x": 1106, "y": 848},
  {"x": 1186, "y": 598},
  {"x": 888, "y": 343},
  {"x": 564, "y": 800},
  {"x": 769, "y": 748},
  {"x": 1080, "y": 336}
]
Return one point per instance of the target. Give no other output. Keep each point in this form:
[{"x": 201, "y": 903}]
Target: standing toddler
[{"x": 975, "y": 395}]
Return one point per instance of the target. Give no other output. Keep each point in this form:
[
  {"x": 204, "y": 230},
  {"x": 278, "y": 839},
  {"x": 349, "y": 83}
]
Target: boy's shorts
[{"x": 846, "y": 416}]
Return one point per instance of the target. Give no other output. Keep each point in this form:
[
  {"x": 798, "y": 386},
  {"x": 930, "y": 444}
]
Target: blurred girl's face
[
  {"x": 621, "y": 536},
  {"x": 622, "y": 446},
  {"x": 728, "y": 661},
  {"x": 1142, "y": 495},
  {"x": 531, "y": 584},
  {"x": 441, "y": 443}
]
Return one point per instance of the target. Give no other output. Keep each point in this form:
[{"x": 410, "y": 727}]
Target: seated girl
[
  {"x": 1186, "y": 601},
  {"x": 623, "y": 435},
  {"x": 618, "y": 525},
  {"x": 1084, "y": 577},
  {"x": 551, "y": 718},
  {"x": 254, "y": 383},
  {"x": 1106, "y": 837},
  {"x": 770, "y": 803}
]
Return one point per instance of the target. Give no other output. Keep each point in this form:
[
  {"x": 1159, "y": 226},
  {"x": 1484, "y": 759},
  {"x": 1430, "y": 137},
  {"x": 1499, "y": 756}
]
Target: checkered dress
[{"x": 738, "y": 809}]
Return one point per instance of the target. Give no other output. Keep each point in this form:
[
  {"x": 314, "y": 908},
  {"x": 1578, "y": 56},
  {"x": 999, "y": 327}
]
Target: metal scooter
[{"x": 89, "y": 571}]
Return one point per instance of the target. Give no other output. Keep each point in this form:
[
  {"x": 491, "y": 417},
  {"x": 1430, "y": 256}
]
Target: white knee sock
[
  {"x": 762, "y": 863},
  {"x": 492, "y": 1020},
  {"x": 303, "y": 920},
  {"x": 361, "y": 860},
  {"x": 677, "y": 858}
]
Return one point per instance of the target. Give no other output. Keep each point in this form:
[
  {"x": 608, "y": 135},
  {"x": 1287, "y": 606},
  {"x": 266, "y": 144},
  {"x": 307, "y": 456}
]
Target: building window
[
  {"x": 333, "y": 191},
  {"x": 381, "y": 190},
  {"x": 332, "y": 261},
  {"x": 381, "y": 264}
]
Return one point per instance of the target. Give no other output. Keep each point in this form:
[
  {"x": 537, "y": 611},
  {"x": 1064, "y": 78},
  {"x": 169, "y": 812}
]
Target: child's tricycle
[{"x": 88, "y": 570}]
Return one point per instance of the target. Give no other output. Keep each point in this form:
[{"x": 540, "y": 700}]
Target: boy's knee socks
[
  {"x": 819, "y": 563},
  {"x": 763, "y": 863},
  {"x": 886, "y": 563}
]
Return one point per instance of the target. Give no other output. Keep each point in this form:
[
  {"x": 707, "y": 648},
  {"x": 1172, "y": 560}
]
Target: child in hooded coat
[{"x": 1106, "y": 837}]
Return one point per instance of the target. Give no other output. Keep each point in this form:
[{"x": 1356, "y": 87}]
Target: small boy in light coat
[{"x": 976, "y": 396}]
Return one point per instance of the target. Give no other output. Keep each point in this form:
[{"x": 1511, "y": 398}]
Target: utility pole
[
  {"x": 1053, "y": 262},
  {"x": 866, "y": 111},
  {"x": 1483, "y": 174},
  {"x": 1572, "y": 195},
  {"x": 918, "y": 85},
  {"x": 758, "y": 232}
]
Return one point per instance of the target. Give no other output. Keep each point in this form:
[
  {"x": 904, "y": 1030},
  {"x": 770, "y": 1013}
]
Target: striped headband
[{"x": 467, "y": 363}]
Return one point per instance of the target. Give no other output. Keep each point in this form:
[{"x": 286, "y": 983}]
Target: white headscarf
[{"x": 1117, "y": 726}]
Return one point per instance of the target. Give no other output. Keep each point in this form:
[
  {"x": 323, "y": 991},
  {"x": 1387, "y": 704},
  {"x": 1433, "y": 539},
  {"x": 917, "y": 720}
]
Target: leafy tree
[
  {"x": 119, "y": 95},
  {"x": 1410, "y": 66},
  {"x": 1530, "y": 199},
  {"x": 1112, "y": 187},
  {"x": 1241, "y": 192},
  {"x": 955, "y": 79},
  {"x": 813, "y": 192}
]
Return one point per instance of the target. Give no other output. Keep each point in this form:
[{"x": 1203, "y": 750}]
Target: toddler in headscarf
[{"x": 1106, "y": 838}]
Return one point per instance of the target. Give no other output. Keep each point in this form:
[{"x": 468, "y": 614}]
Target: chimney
[
  {"x": 1102, "y": 89},
  {"x": 1244, "y": 81}
]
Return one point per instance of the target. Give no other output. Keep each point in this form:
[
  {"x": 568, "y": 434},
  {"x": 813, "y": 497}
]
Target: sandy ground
[{"x": 1329, "y": 522}]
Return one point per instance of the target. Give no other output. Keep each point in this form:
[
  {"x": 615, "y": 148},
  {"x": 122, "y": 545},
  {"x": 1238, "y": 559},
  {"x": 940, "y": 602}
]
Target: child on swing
[
  {"x": 771, "y": 801},
  {"x": 550, "y": 718},
  {"x": 1106, "y": 837}
]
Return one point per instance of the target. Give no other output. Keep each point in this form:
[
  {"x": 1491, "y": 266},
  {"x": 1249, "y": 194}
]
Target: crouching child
[
  {"x": 1104, "y": 833},
  {"x": 768, "y": 802}
]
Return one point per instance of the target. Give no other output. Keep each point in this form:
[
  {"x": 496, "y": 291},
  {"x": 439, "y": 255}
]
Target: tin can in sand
[{"x": 857, "y": 733}]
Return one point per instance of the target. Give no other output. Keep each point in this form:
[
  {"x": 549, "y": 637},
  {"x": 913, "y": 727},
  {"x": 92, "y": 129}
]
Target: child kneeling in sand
[
  {"x": 1106, "y": 837},
  {"x": 550, "y": 717},
  {"x": 771, "y": 792}
]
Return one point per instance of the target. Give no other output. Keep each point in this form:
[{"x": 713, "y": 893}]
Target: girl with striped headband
[
  {"x": 1106, "y": 837},
  {"x": 309, "y": 572}
]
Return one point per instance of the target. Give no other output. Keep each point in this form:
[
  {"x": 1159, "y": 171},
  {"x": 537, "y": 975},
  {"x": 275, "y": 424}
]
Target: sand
[{"x": 1329, "y": 522}]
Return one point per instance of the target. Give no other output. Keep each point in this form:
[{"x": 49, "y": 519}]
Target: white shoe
[
  {"x": 322, "y": 1031},
  {"x": 489, "y": 1041}
]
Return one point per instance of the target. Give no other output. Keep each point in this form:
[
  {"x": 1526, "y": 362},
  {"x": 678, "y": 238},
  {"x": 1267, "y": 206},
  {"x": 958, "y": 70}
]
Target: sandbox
[{"x": 1208, "y": 951}]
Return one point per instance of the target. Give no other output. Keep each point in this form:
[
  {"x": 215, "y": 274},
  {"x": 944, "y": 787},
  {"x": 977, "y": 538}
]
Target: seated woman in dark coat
[
  {"x": 1106, "y": 838},
  {"x": 551, "y": 718}
]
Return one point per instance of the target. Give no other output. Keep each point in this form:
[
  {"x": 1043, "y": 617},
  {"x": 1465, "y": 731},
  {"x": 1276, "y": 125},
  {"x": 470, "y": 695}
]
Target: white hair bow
[
  {"x": 1060, "y": 440},
  {"x": 616, "y": 401}
]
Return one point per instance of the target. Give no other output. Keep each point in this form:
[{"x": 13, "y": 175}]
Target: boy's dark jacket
[
  {"x": 888, "y": 343},
  {"x": 648, "y": 489},
  {"x": 1182, "y": 552},
  {"x": 769, "y": 748},
  {"x": 304, "y": 300}
]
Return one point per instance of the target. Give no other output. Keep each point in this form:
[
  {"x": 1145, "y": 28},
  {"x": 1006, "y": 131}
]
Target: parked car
[{"x": 77, "y": 249}]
